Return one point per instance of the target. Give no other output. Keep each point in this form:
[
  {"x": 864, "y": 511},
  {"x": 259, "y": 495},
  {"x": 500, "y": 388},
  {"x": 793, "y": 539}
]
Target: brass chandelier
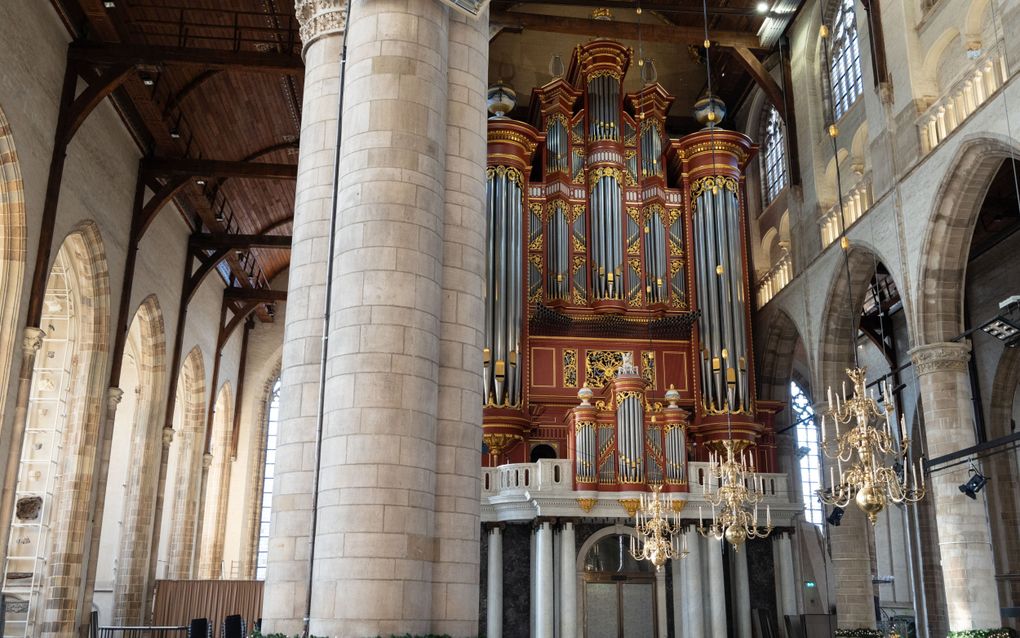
[
  {"x": 659, "y": 535},
  {"x": 869, "y": 480},
  {"x": 736, "y": 498}
]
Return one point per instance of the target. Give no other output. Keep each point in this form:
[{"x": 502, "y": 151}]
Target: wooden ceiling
[{"x": 222, "y": 80}]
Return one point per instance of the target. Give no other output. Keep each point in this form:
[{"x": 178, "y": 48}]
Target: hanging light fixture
[
  {"x": 659, "y": 535},
  {"x": 735, "y": 499},
  {"x": 870, "y": 481}
]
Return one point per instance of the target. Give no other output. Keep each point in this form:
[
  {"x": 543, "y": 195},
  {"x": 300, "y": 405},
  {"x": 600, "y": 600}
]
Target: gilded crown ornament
[{"x": 877, "y": 472}]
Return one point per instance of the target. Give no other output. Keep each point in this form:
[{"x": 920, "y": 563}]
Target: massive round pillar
[
  {"x": 287, "y": 575},
  {"x": 965, "y": 546}
]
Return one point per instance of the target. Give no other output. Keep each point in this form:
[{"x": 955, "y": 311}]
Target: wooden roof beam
[
  {"x": 221, "y": 59},
  {"x": 622, "y": 30},
  {"x": 174, "y": 167},
  {"x": 252, "y": 294},
  {"x": 215, "y": 241}
]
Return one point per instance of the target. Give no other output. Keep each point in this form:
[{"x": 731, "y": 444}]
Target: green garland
[
  {"x": 858, "y": 633},
  {"x": 1005, "y": 632}
]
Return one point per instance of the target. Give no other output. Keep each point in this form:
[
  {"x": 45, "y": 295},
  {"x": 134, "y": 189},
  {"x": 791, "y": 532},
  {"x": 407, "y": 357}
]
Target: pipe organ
[{"x": 617, "y": 328}]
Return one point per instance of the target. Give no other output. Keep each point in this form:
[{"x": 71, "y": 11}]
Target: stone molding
[
  {"x": 320, "y": 18},
  {"x": 32, "y": 339},
  {"x": 951, "y": 356}
]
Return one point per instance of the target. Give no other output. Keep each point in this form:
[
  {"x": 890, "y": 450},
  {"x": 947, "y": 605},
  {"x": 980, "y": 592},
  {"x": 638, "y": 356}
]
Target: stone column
[
  {"x": 717, "y": 589},
  {"x": 968, "y": 568},
  {"x": 694, "y": 589},
  {"x": 660, "y": 604},
  {"x": 787, "y": 598},
  {"x": 676, "y": 573},
  {"x": 494, "y": 591},
  {"x": 376, "y": 541},
  {"x": 741, "y": 592},
  {"x": 459, "y": 426},
  {"x": 568, "y": 581},
  {"x": 31, "y": 341},
  {"x": 287, "y": 575},
  {"x": 545, "y": 621}
]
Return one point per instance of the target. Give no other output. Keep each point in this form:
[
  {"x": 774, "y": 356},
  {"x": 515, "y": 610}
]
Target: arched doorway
[
  {"x": 618, "y": 593},
  {"x": 44, "y": 569},
  {"x": 542, "y": 451}
]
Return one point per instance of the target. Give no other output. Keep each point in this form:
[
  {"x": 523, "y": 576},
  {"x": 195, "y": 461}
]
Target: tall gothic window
[
  {"x": 808, "y": 452},
  {"x": 773, "y": 156},
  {"x": 273, "y": 421},
  {"x": 845, "y": 69}
]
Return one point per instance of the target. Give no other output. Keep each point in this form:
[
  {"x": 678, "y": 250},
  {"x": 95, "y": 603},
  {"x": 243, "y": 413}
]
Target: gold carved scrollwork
[
  {"x": 569, "y": 368},
  {"x": 712, "y": 182},
  {"x": 511, "y": 173},
  {"x": 578, "y": 245},
  {"x": 536, "y": 243},
  {"x": 630, "y": 505},
  {"x": 709, "y": 147},
  {"x": 648, "y": 367},
  {"x": 587, "y": 504},
  {"x": 600, "y": 367},
  {"x": 613, "y": 73},
  {"x": 674, "y": 214},
  {"x": 576, "y": 211},
  {"x": 605, "y": 171},
  {"x": 627, "y": 394}
]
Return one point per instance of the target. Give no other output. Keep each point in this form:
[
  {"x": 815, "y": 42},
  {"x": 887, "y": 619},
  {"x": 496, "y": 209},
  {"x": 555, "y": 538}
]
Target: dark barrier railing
[{"x": 143, "y": 632}]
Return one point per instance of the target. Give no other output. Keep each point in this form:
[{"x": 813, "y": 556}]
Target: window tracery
[
  {"x": 808, "y": 456},
  {"x": 844, "y": 59},
  {"x": 773, "y": 156},
  {"x": 266, "y": 506}
]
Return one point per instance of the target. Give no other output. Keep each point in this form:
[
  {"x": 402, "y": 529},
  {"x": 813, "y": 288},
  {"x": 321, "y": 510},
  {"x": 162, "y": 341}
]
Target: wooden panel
[{"x": 543, "y": 367}]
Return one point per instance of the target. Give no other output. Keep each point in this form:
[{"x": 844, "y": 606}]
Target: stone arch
[
  {"x": 936, "y": 52},
  {"x": 13, "y": 249},
  {"x": 946, "y": 245},
  {"x": 1004, "y": 470},
  {"x": 217, "y": 492},
  {"x": 133, "y": 553},
  {"x": 180, "y": 511},
  {"x": 78, "y": 287},
  {"x": 974, "y": 21},
  {"x": 776, "y": 356},
  {"x": 256, "y": 470}
]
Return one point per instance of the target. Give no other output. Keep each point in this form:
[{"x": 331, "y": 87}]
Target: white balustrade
[
  {"x": 547, "y": 475},
  {"x": 856, "y": 202},
  {"x": 776, "y": 486},
  {"x": 951, "y": 110},
  {"x": 775, "y": 279}
]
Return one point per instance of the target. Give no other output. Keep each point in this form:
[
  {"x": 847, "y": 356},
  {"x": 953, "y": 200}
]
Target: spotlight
[
  {"x": 974, "y": 485},
  {"x": 200, "y": 182},
  {"x": 148, "y": 81},
  {"x": 175, "y": 134},
  {"x": 109, "y": 4},
  {"x": 836, "y": 517},
  {"x": 762, "y": 7}
]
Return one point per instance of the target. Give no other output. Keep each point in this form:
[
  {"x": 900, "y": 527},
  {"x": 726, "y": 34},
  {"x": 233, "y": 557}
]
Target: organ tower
[{"x": 618, "y": 328}]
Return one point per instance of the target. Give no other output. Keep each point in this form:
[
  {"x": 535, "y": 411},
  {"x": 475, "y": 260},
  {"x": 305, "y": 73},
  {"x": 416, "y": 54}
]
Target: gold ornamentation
[
  {"x": 623, "y": 395},
  {"x": 605, "y": 171},
  {"x": 678, "y": 505},
  {"x": 648, "y": 368},
  {"x": 499, "y": 441},
  {"x": 719, "y": 146},
  {"x": 578, "y": 245},
  {"x": 631, "y": 505},
  {"x": 712, "y": 182},
  {"x": 536, "y": 243},
  {"x": 613, "y": 73},
  {"x": 569, "y": 368},
  {"x": 511, "y": 173},
  {"x": 587, "y": 504},
  {"x": 600, "y": 367}
]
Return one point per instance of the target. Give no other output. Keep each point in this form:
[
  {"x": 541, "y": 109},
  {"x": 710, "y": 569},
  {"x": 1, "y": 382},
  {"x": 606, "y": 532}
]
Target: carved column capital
[
  {"x": 113, "y": 397},
  {"x": 320, "y": 18},
  {"x": 32, "y": 339},
  {"x": 950, "y": 355},
  {"x": 168, "y": 436}
]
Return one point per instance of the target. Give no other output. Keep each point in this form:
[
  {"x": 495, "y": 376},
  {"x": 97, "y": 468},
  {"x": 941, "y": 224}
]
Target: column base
[{"x": 1003, "y": 632}]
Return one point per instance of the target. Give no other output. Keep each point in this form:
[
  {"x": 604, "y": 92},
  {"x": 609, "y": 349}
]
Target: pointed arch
[
  {"x": 841, "y": 315},
  {"x": 946, "y": 245},
  {"x": 180, "y": 512},
  {"x": 258, "y": 517},
  {"x": 148, "y": 335},
  {"x": 778, "y": 347},
  {"x": 214, "y": 511},
  {"x": 13, "y": 248}
]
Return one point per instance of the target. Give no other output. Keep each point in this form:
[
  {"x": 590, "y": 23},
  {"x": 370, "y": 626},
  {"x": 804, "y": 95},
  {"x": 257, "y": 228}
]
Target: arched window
[
  {"x": 273, "y": 421},
  {"x": 845, "y": 57},
  {"x": 773, "y": 156},
  {"x": 808, "y": 455}
]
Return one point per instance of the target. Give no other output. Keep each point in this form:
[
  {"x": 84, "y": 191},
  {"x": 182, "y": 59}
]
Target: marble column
[
  {"x": 717, "y": 589},
  {"x": 676, "y": 573},
  {"x": 660, "y": 603},
  {"x": 968, "y": 568},
  {"x": 532, "y": 583},
  {"x": 694, "y": 586},
  {"x": 494, "y": 591},
  {"x": 287, "y": 575},
  {"x": 787, "y": 598},
  {"x": 459, "y": 424},
  {"x": 741, "y": 591},
  {"x": 545, "y": 621},
  {"x": 568, "y": 581}
]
